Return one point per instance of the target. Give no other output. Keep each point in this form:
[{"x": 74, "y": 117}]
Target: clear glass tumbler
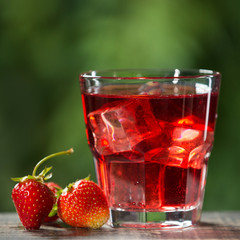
[{"x": 151, "y": 133}]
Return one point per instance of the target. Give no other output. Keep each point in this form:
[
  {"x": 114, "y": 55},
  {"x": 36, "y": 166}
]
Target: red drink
[{"x": 151, "y": 151}]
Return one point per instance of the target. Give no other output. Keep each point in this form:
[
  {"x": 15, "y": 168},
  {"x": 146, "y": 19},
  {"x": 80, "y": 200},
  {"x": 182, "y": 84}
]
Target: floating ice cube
[
  {"x": 198, "y": 155},
  {"x": 121, "y": 125},
  {"x": 171, "y": 156},
  {"x": 177, "y": 156},
  {"x": 196, "y": 138},
  {"x": 185, "y": 135},
  {"x": 187, "y": 138},
  {"x": 160, "y": 139}
]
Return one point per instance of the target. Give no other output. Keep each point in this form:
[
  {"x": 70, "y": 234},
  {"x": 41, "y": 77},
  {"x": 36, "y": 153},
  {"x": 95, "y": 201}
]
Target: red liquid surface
[{"x": 151, "y": 152}]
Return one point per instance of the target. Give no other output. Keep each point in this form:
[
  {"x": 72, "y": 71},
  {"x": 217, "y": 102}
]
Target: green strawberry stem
[{"x": 70, "y": 151}]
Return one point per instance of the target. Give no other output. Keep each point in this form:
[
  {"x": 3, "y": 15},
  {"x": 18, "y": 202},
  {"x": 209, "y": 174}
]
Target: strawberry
[
  {"x": 34, "y": 200},
  {"x": 55, "y": 188},
  {"x": 83, "y": 204}
]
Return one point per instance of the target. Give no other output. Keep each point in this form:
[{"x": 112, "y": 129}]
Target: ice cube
[
  {"x": 198, "y": 155},
  {"x": 160, "y": 139},
  {"x": 187, "y": 138},
  {"x": 196, "y": 138},
  {"x": 177, "y": 156},
  {"x": 191, "y": 132},
  {"x": 183, "y": 135},
  {"x": 171, "y": 156},
  {"x": 119, "y": 126}
]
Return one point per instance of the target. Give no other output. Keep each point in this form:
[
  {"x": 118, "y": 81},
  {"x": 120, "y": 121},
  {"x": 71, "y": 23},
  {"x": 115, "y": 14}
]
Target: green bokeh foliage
[{"x": 44, "y": 45}]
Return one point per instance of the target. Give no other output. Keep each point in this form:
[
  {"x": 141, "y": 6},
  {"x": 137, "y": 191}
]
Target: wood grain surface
[{"x": 214, "y": 225}]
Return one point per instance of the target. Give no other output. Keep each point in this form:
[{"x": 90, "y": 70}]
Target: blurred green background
[{"x": 44, "y": 45}]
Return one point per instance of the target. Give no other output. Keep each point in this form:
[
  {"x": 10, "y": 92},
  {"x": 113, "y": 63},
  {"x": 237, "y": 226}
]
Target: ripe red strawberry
[
  {"x": 83, "y": 204},
  {"x": 55, "y": 188},
  {"x": 33, "y": 201},
  {"x": 32, "y": 198}
]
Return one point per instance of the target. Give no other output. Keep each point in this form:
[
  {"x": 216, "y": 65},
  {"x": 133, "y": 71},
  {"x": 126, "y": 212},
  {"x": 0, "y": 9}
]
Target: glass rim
[{"x": 196, "y": 73}]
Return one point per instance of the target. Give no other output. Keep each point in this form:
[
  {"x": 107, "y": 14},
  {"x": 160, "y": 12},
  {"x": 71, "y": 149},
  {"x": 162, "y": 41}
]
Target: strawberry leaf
[
  {"x": 88, "y": 178},
  {"x": 53, "y": 211},
  {"x": 59, "y": 192},
  {"x": 48, "y": 177},
  {"x": 55, "y": 206},
  {"x": 45, "y": 171},
  {"x": 22, "y": 179}
]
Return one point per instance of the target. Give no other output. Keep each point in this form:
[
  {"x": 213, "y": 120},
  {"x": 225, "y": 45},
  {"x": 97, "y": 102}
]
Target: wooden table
[{"x": 214, "y": 225}]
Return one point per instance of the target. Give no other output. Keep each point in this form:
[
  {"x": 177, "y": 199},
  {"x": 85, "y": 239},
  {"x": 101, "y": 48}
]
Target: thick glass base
[{"x": 154, "y": 220}]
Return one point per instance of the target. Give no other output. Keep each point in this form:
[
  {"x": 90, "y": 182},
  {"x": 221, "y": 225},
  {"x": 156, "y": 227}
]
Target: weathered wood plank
[{"x": 214, "y": 225}]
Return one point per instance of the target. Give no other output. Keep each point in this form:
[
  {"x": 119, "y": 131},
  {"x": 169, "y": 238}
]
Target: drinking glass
[{"x": 151, "y": 133}]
